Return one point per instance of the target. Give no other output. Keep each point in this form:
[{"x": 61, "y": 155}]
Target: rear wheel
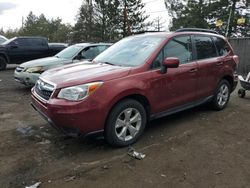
[
  {"x": 222, "y": 95},
  {"x": 241, "y": 93},
  {"x": 3, "y": 63},
  {"x": 126, "y": 123}
]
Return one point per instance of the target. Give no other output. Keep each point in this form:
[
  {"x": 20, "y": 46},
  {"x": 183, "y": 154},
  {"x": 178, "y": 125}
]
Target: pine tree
[
  {"x": 107, "y": 18},
  {"x": 187, "y": 13},
  {"x": 84, "y": 29},
  {"x": 132, "y": 17},
  {"x": 204, "y": 14}
]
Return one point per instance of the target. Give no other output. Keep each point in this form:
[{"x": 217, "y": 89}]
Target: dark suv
[{"x": 138, "y": 79}]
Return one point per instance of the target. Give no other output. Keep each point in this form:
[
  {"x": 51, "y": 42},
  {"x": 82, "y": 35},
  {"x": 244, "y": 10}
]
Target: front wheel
[
  {"x": 3, "y": 63},
  {"x": 222, "y": 95},
  {"x": 125, "y": 123}
]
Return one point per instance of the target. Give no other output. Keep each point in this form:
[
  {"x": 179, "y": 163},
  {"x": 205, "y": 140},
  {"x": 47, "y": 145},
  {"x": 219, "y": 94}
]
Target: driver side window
[
  {"x": 180, "y": 47},
  {"x": 90, "y": 52}
]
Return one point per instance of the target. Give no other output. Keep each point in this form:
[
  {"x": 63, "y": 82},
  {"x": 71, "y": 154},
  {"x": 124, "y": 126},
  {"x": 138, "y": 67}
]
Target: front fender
[{"x": 125, "y": 89}]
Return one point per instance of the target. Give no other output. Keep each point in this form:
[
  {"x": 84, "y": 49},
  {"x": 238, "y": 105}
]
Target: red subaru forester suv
[{"x": 140, "y": 78}]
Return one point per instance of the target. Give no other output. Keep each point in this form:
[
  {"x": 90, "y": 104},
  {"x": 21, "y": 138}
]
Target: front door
[{"x": 178, "y": 86}]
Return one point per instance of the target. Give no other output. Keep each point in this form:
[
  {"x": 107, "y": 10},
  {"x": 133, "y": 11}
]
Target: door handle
[
  {"x": 193, "y": 70},
  {"x": 219, "y": 63}
]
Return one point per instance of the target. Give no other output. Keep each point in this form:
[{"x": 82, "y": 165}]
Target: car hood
[
  {"x": 83, "y": 72},
  {"x": 47, "y": 62}
]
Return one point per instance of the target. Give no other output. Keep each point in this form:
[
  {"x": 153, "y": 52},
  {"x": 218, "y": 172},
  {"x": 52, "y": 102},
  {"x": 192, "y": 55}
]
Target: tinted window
[
  {"x": 180, "y": 47},
  {"x": 221, "y": 45},
  {"x": 22, "y": 42},
  {"x": 90, "y": 52},
  {"x": 37, "y": 42},
  {"x": 205, "y": 47}
]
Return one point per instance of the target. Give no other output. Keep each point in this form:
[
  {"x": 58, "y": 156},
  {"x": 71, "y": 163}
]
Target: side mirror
[{"x": 170, "y": 62}]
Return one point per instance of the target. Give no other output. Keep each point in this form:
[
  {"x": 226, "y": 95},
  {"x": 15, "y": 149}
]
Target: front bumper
[
  {"x": 72, "y": 118},
  {"x": 28, "y": 79}
]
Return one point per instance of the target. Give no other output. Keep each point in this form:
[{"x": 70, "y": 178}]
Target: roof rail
[{"x": 196, "y": 30}]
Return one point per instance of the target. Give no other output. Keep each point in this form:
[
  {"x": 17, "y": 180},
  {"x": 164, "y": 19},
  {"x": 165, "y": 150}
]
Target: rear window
[
  {"x": 205, "y": 47},
  {"x": 222, "y": 46}
]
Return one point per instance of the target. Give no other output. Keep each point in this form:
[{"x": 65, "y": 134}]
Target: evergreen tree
[
  {"x": 204, "y": 14},
  {"x": 107, "y": 18},
  {"x": 84, "y": 29},
  {"x": 52, "y": 29},
  {"x": 132, "y": 17}
]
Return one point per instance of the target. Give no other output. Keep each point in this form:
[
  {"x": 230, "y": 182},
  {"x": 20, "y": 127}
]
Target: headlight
[
  {"x": 80, "y": 92},
  {"x": 35, "y": 69}
]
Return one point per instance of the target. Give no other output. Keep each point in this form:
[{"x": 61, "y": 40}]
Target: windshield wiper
[{"x": 108, "y": 63}]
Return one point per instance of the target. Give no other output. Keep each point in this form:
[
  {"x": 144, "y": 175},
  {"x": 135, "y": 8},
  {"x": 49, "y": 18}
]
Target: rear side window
[
  {"x": 205, "y": 47},
  {"x": 180, "y": 47},
  {"x": 222, "y": 46},
  {"x": 22, "y": 42},
  {"x": 38, "y": 42}
]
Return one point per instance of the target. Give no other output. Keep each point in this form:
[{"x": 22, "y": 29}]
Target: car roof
[
  {"x": 181, "y": 32},
  {"x": 93, "y": 44}
]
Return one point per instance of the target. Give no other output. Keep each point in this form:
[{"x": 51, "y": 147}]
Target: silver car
[
  {"x": 28, "y": 73},
  {"x": 2, "y": 39}
]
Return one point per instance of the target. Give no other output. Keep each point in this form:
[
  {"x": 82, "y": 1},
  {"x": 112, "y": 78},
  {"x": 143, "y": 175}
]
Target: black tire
[
  {"x": 217, "y": 104},
  {"x": 241, "y": 93},
  {"x": 111, "y": 135},
  {"x": 3, "y": 63}
]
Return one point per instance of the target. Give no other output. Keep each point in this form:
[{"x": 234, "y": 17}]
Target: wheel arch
[
  {"x": 136, "y": 96},
  {"x": 230, "y": 80},
  {"x": 5, "y": 57}
]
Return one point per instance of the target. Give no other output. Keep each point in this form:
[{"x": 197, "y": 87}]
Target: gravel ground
[{"x": 195, "y": 148}]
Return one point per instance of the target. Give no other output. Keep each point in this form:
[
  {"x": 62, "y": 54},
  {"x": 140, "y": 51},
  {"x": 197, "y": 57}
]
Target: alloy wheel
[{"x": 128, "y": 124}]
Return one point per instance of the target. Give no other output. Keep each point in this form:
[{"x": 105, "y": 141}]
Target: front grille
[
  {"x": 43, "y": 89},
  {"x": 19, "y": 69}
]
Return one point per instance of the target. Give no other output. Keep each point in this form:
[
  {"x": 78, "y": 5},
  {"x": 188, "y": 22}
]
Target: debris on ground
[
  {"x": 71, "y": 178},
  {"x": 44, "y": 142},
  {"x": 106, "y": 167},
  {"x": 135, "y": 154},
  {"x": 27, "y": 131},
  {"x": 34, "y": 186},
  {"x": 217, "y": 173}
]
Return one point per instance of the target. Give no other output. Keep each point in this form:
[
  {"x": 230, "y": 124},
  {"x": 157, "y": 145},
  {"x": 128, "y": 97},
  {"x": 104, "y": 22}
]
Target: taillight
[{"x": 236, "y": 59}]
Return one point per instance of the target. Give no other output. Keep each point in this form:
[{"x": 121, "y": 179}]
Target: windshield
[
  {"x": 70, "y": 52},
  {"x": 131, "y": 51}
]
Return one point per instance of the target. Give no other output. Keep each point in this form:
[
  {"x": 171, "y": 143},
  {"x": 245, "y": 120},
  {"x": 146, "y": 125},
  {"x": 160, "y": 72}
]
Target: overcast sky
[{"x": 12, "y": 11}]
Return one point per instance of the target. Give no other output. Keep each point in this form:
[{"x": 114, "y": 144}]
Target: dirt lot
[{"x": 195, "y": 148}]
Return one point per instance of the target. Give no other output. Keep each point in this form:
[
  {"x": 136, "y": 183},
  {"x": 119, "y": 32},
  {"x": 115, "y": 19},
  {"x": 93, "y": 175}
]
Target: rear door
[
  {"x": 38, "y": 48},
  {"x": 19, "y": 50},
  {"x": 208, "y": 64},
  {"x": 178, "y": 86}
]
